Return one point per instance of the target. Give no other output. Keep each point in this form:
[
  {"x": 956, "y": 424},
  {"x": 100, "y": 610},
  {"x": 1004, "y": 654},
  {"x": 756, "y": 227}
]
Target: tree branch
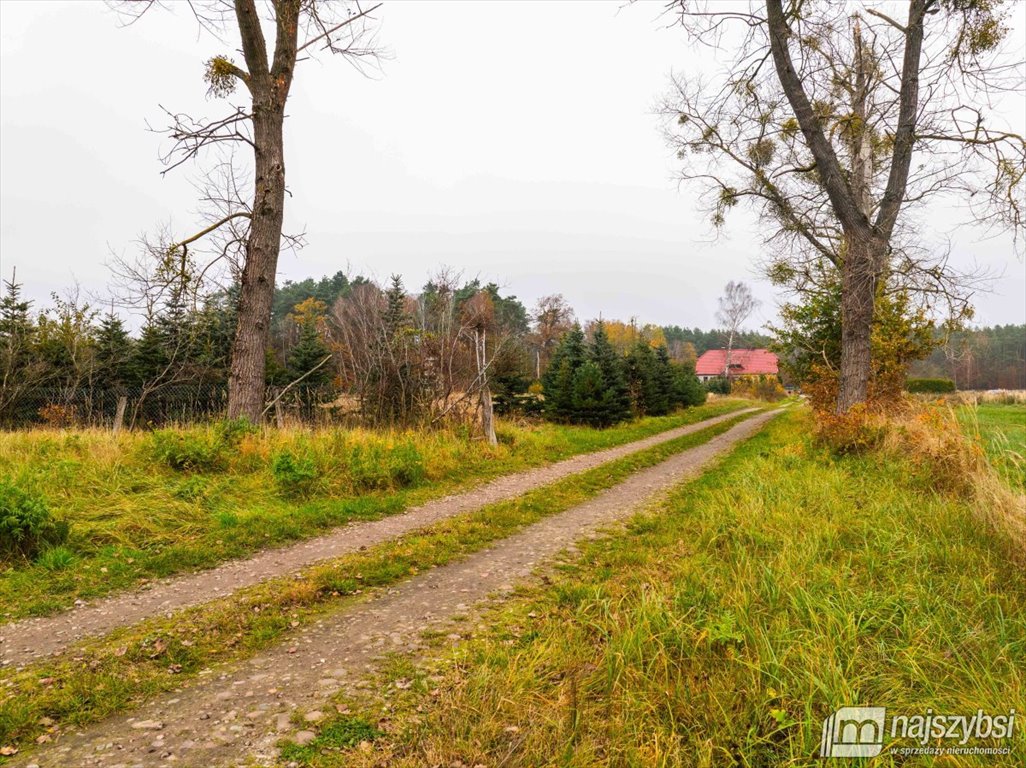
[
  {"x": 841, "y": 197},
  {"x": 329, "y": 32}
]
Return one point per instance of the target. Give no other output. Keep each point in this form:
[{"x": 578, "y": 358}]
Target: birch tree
[{"x": 736, "y": 305}]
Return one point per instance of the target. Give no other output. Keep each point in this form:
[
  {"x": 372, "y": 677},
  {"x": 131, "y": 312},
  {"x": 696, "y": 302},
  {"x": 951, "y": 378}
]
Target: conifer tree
[
  {"x": 113, "y": 352},
  {"x": 16, "y": 327},
  {"x": 687, "y": 390},
  {"x": 307, "y": 357},
  {"x": 396, "y": 317},
  {"x": 663, "y": 381},
  {"x": 558, "y": 380},
  {"x": 150, "y": 357},
  {"x": 18, "y": 370},
  {"x": 589, "y": 402},
  {"x": 616, "y": 398},
  {"x": 648, "y": 380}
]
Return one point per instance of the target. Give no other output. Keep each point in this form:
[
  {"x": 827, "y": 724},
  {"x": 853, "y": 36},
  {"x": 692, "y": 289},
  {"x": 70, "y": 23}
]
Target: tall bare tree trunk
[
  {"x": 488, "y": 415},
  {"x": 858, "y": 290},
  {"x": 246, "y": 380},
  {"x": 859, "y": 269},
  {"x": 487, "y": 412},
  {"x": 269, "y": 88},
  {"x": 730, "y": 349}
]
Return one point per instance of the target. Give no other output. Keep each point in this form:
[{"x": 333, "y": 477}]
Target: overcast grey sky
[{"x": 513, "y": 140}]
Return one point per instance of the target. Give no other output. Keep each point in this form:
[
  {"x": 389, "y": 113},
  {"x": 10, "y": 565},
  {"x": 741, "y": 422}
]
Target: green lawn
[
  {"x": 1002, "y": 431},
  {"x": 134, "y": 517},
  {"x": 723, "y": 628}
]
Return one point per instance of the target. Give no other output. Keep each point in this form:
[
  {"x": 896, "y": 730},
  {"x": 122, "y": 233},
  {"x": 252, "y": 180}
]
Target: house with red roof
[{"x": 743, "y": 362}]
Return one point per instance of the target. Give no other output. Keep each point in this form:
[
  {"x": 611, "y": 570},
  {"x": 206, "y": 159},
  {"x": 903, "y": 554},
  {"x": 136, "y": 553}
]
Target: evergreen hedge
[{"x": 932, "y": 386}]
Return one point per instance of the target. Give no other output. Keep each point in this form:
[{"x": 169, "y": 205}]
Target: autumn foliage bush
[{"x": 766, "y": 388}]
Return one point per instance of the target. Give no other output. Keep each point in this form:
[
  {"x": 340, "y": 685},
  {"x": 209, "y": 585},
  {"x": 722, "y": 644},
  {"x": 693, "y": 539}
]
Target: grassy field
[
  {"x": 148, "y": 505},
  {"x": 722, "y": 629},
  {"x": 100, "y": 677},
  {"x": 1002, "y": 432}
]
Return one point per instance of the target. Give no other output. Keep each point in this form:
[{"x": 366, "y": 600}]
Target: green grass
[
  {"x": 725, "y": 625},
  {"x": 101, "y": 677},
  {"x": 135, "y": 518},
  {"x": 1002, "y": 431}
]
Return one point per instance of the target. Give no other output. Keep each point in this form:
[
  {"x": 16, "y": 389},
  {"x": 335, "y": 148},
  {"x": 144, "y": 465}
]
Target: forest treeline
[
  {"x": 338, "y": 345},
  {"x": 981, "y": 358},
  {"x": 381, "y": 352}
]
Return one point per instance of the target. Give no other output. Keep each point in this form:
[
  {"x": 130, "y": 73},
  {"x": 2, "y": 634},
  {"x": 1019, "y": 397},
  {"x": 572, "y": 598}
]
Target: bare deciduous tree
[
  {"x": 553, "y": 317},
  {"x": 301, "y": 28},
  {"x": 838, "y": 123},
  {"x": 424, "y": 359},
  {"x": 736, "y": 305}
]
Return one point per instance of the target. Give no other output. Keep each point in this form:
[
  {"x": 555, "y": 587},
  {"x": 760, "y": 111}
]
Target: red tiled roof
[{"x": 743, "y": 362}]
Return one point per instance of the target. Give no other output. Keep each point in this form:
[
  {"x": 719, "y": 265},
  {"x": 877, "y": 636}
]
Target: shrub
[
  {"x": 294, "y": 475},
  {"x": 57, "y": 416},
  {"x": 26, "y": 525},
  {"x": 231, "y": 431},
  {"x": 718, "y": 386},
  {"x": 766, "y": 388},
  {"x": 368, "y": 469},
  {"x": 187, "y": 451},
  {"x": 932, "y": 386},
  {"x": 856, "y": 431},
  {"x": 406, "y": 465}
]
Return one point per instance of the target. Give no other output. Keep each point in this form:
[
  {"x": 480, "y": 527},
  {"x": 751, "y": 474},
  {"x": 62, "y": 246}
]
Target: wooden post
[
  {"x": 119, "y": 415},
  {"x": 279, "y": 414}
]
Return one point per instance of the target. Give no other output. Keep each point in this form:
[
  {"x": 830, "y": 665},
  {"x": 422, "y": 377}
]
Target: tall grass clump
[
  {"x": 930, "y": 439},
  {"x": 295, "y": 475},
  {"x": 943, "y": 459},
  {"x": 202, "y": 449}
]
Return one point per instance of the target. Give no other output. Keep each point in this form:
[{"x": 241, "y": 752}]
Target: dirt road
[
  {"x": 29, "y": 639},
  {"x": 240, "y": 711}
]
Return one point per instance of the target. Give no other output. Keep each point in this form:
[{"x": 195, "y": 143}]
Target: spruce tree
[
  {"x": 150, "y": 358},
  {"x": 646, "y": 382},
  {"x": 310, "y": 350},
  {"x": 558, "y": 379},
  {"x": 16, "y": 329},
  {"x": 214, "y": 332},
  {"x": 663, "y": 384},
  {"x": 396, "y": 317},
  {"x": 687, "y": 390},
  {"x": 113, "y": 352},
  {"x": 616, "y": 398},
  {"x": 588, "y": 396}
]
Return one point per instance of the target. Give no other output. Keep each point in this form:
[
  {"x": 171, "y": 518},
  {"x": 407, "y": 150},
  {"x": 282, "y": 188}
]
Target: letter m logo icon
[{"x": 853, "y": 732}]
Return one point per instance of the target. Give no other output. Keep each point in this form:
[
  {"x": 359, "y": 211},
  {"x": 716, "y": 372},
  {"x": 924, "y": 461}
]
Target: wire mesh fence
[{"x": 144, "y": 408}]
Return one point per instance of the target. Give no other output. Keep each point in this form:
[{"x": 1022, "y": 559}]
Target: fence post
[
  {"x": 279, "y": 415},
  {"x": 119, "y": 415}
]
